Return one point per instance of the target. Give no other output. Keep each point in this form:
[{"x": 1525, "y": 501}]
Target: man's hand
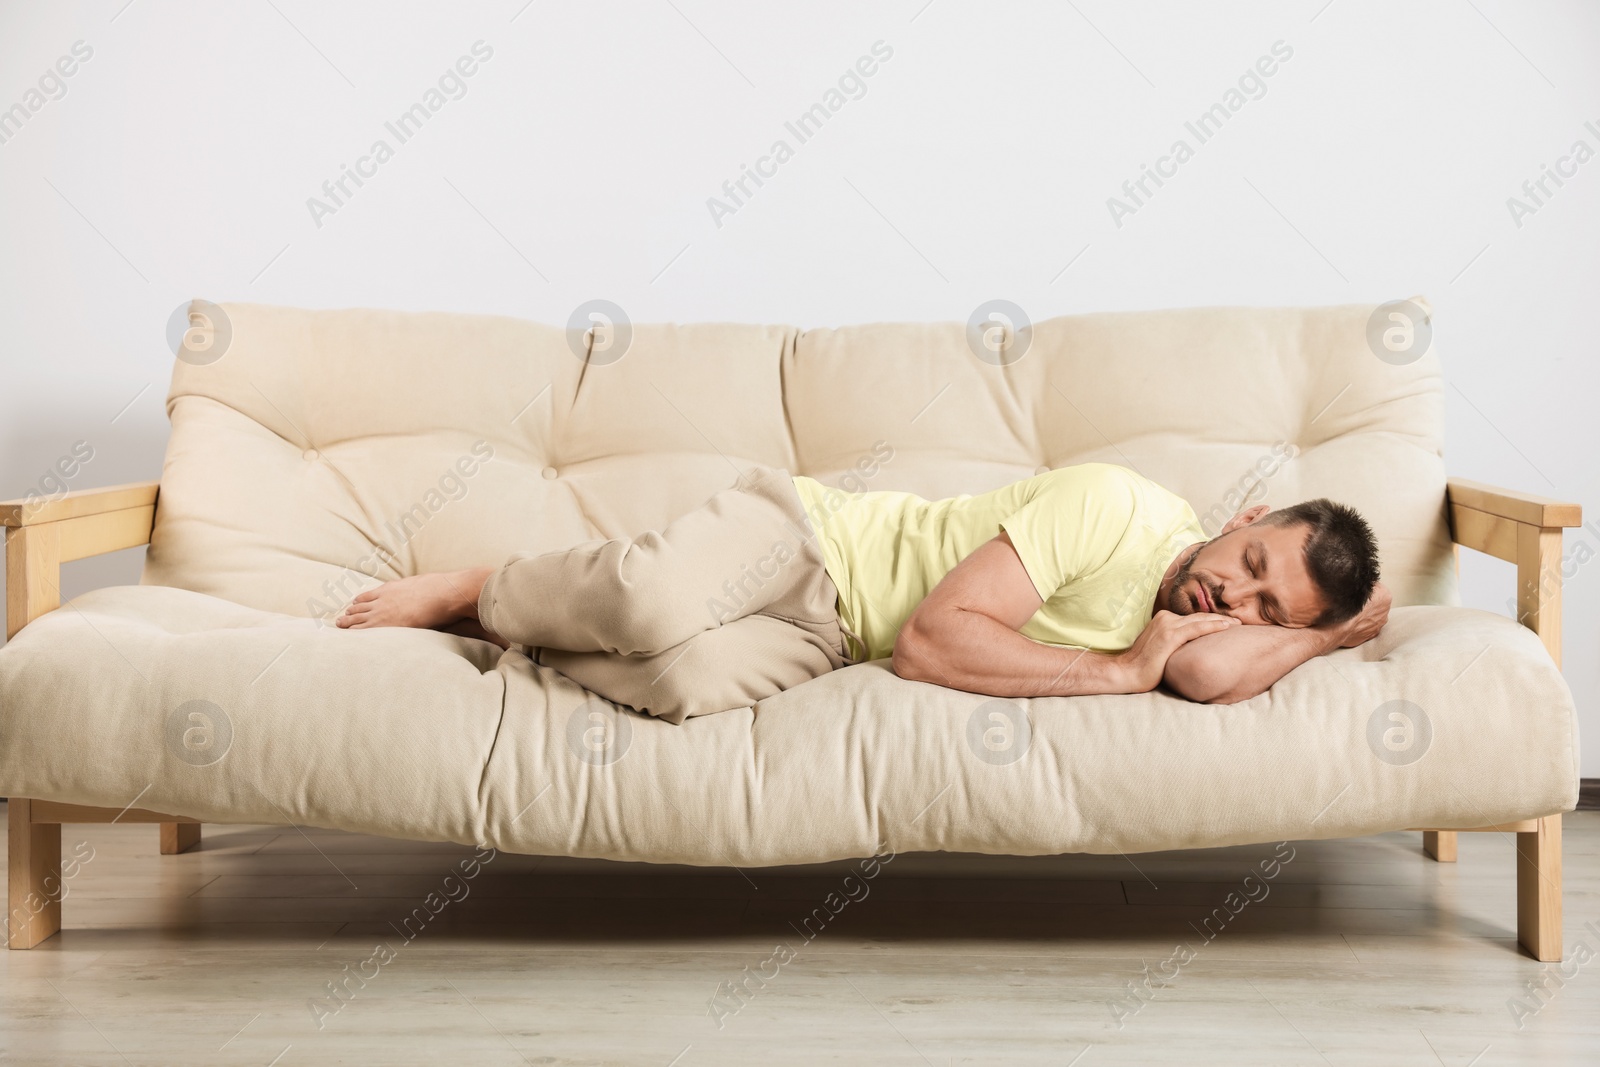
[
  {"x": 1366, "y": 624},
  {"x": 1146, "y": 659}
]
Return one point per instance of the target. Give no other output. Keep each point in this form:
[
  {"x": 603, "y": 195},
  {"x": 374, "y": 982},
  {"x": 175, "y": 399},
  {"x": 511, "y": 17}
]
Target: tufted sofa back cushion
[{"x": 323, "y": 451}]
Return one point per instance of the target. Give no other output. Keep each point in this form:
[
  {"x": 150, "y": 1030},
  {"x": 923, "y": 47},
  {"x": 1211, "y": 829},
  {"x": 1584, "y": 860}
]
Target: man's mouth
[{"x": 1204, "y": 596}]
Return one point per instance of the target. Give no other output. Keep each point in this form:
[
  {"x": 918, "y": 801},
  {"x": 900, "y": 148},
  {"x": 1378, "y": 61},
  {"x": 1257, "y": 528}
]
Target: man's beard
[{"x": 1179, "y": 581}]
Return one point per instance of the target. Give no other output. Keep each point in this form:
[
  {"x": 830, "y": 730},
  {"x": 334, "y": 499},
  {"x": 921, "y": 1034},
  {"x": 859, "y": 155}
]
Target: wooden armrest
[
  {"x": 42, "y": 535},
  {"x": 30, "y": 510},
  {"x": 1510, "y": 504},
  {"x": 1523, "y": 529}
]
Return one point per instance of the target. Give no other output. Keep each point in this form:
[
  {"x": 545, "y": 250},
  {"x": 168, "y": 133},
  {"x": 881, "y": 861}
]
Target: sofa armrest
[
  {"x": 1524, "y": 529},
  {"x": 29, "y": 511},
  {"x": 1510, "y": 504},
  {"x": 40, "y": 536}
]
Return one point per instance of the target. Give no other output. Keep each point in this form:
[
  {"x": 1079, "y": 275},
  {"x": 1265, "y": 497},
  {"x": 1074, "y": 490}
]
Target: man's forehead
[
  {"x": 1283, "y": 550},
  {"x": 1280, "y": 539}
]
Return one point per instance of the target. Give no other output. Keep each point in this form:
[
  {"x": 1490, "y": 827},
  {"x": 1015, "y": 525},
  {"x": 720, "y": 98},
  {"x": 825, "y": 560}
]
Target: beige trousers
[{"x": 726, "y": 605}]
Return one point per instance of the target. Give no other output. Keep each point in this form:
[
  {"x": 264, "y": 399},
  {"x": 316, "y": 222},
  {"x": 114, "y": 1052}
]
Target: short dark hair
[{"x": 1341, "y": 553}]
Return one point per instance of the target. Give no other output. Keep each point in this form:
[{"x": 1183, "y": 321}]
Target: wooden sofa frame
[{"x": 41, "y": 535}]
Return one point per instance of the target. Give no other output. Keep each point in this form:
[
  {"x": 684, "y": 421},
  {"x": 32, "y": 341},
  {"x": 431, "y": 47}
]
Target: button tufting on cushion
[{"x": 549, "y": 473}]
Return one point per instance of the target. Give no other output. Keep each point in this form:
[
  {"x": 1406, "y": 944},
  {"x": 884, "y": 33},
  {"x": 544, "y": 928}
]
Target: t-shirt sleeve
[{"x": 1072, "y": 524}]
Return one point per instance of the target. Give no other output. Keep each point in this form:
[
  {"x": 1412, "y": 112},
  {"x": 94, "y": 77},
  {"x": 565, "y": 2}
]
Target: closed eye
[{"x": 1257, "y": 567}]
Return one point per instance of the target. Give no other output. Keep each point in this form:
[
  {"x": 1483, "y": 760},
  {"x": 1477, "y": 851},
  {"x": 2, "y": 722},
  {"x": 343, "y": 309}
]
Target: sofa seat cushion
[{"x": 431, "y": 736}]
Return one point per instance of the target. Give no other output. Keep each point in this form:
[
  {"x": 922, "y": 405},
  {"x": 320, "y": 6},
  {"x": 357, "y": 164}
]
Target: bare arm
[
  {"x": 1226, "y": 668},
  {"x": 964, "y": 636}
]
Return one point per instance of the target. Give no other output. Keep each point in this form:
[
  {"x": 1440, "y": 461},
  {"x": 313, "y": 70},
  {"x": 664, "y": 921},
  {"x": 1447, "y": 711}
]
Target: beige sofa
[{"x": 314, "y": 453}]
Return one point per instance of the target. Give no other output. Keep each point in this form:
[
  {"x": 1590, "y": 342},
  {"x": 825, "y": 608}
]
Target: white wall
[{"x": 977, "y": 164}]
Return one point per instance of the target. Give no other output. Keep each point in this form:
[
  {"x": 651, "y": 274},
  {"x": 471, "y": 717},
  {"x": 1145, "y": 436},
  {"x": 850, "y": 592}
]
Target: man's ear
[{"x": 1243, "y": 518}]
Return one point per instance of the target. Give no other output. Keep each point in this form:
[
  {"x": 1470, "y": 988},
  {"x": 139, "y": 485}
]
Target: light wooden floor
[{"x": 1362, "y": 952}]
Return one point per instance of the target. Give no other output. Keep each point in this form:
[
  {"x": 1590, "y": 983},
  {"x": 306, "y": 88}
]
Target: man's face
[{"x": 1257, "y": 574}]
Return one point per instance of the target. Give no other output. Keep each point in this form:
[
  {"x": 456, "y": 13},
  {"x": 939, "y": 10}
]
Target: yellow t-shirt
[{"x": 1095, "y": 539}]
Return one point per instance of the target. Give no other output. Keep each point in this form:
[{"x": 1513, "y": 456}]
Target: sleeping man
[{"x": 1086, "y": 579}]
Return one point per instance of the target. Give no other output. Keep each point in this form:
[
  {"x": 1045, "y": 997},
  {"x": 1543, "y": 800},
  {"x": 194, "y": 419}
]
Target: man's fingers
[{"x": 1201, "y": 623}]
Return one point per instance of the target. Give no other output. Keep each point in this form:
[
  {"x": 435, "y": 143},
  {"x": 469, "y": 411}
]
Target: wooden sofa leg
[
  {"x": 179, "y": 837},
  {"x": 34, "y": 873},
  {"x": 1539, "y": 890},
  {"x": 1440, "y": 844}
]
